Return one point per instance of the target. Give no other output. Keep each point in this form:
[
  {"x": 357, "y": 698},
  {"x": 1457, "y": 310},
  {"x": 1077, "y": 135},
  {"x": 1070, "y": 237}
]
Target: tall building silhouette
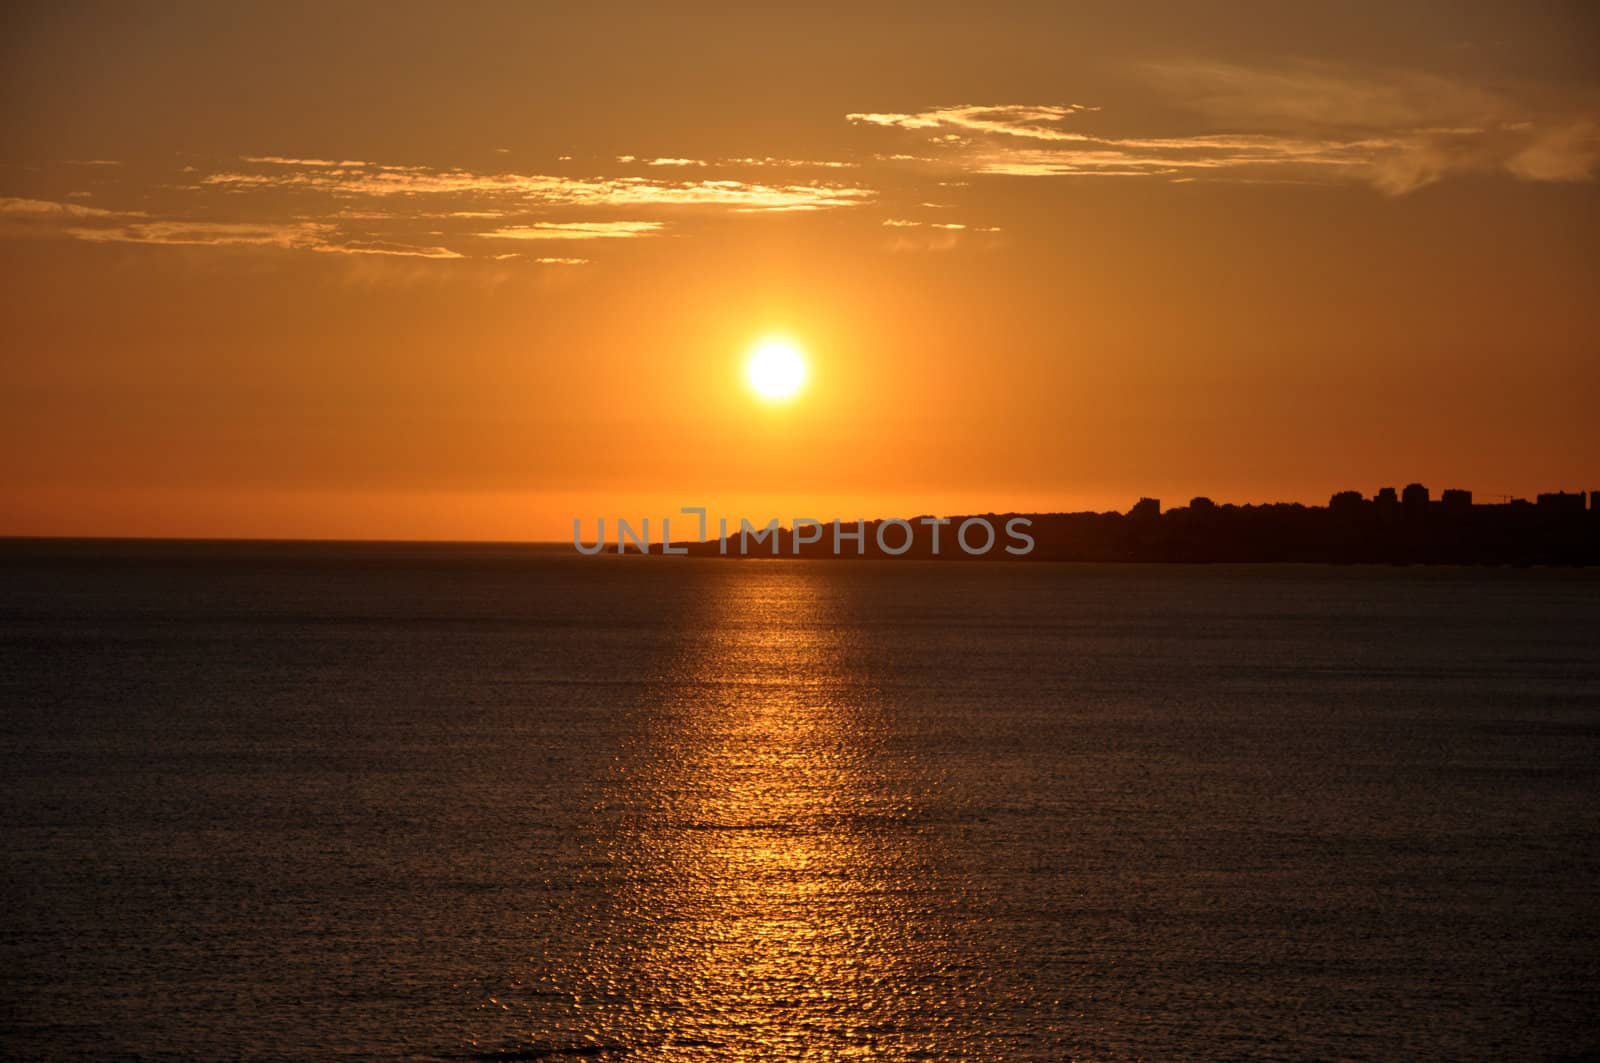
[{"x": 1414, "y": 501}]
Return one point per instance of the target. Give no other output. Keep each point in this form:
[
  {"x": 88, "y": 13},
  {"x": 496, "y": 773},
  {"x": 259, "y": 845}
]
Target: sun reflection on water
[{"x": 765, "y": 892}]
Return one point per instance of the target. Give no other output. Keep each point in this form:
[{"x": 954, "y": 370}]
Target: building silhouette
[
  {"x": 1414, "y": 502},
  {"x": 1561, "y": 502},
  {"x": 1561, "y": 528},
  {"x": 1145, "y": 509}
]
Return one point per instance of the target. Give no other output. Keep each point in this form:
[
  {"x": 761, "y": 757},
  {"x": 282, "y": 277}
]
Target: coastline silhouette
[{"x": 1406, "y": 526}]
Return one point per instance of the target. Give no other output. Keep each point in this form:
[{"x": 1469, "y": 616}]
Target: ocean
[{"x": 390, "y": 801}]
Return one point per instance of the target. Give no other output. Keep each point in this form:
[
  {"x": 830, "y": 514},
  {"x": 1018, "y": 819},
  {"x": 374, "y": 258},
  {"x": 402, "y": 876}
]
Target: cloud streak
[
  {"x": 51, "y": 210},
  {"x": 366, "y": 180},
  {"x": 1397, "y": 132},
  {"x": 948, "y": 226},
  {"x": 296, "y": 235},
  {"x": 1032, "y": 122},
  {"x": 290, "y": 236},
  {"x": 587, "y": 230},
  {"x": 350, "y": 207}
]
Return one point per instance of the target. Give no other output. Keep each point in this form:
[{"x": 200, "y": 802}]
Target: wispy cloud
[
  {"x": 352, "y": 207},
  {"x": 1569, "y": 152},
  {"x": 1395, "y": 131},
  {"x": 113, "y": 227},
  {"x": 596, "y": 230},
  {"x": 948, "y": 226},
  {"x": 545, "y": 260},
  {"x": 794, "y": 164},
  {"x": 1033, "y": 122},
  {"x": 46, "y": 209},
  {"x": 743, "y": 162},
  {"x": 280, "y": 160},
  {"x": 301, "y": 235},
  {"x": 378, "y": 248},
  {"x": 367, "y": 180}
]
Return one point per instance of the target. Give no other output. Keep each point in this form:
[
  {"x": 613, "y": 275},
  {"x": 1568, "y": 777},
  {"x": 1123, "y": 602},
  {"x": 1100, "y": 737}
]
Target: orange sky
[{"x": 402, "y": 272}]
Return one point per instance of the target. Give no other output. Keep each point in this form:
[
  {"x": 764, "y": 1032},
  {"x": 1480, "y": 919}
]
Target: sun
[{"x": 776, "y": 369}]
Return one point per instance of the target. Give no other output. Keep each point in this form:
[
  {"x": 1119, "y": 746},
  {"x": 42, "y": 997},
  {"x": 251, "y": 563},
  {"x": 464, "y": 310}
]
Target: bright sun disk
[{"x": 776, "y": 369}]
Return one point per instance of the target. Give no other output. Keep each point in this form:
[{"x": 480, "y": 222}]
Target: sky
[{"x": 410, "y": 271}]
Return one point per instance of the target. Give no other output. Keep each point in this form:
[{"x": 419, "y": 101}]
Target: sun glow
[{"x": 776, "y": 369}]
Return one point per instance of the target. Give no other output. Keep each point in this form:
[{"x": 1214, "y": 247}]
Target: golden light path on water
[{"x": 767, "y": 892}]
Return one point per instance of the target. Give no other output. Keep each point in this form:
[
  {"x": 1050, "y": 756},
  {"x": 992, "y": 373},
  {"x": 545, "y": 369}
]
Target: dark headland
[{"x": 1394, "y": 527}]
